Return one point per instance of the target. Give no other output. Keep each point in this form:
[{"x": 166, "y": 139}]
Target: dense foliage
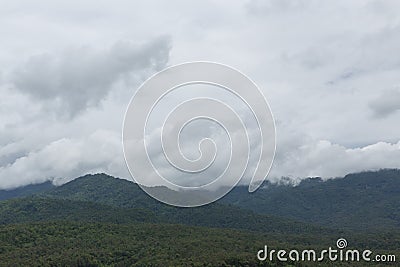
[
  {"x": 103, "y": 244},
  {"x": 93, "y": 244}
]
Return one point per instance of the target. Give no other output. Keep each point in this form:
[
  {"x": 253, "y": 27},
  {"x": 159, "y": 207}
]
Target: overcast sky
[{"x": 330, "y": 71}]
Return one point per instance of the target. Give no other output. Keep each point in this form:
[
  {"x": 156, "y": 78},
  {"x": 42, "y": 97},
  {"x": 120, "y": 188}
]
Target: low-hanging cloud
[
  {"x": 66, "y": 159},
  {"x": 322, "y": 158}
]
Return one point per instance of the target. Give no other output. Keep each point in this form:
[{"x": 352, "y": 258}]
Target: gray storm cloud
[
  {"x": 81, "y": 77},
  {"x": 387, "y": 103}
]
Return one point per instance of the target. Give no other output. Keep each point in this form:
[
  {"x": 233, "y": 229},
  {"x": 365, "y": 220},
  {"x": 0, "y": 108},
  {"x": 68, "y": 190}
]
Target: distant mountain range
[
  {"x": 102, "y": 198},
  {"x": 99, "y": 220},
  {"x": 361, "y": 201}
]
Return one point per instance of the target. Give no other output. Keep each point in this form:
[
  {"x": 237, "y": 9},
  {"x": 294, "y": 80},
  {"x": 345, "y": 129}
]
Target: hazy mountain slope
[
  {"x": 361, "y": 201},
  {"x": 25, "y": 190}
]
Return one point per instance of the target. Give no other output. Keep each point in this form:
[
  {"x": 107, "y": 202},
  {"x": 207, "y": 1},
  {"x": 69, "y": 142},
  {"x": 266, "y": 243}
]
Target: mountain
[
  {"x": 365, "y": 201},
  {"x": 99, "y": 220},
  {"x": 105, "y": 189},
  {"x": 120, "y": 193}
]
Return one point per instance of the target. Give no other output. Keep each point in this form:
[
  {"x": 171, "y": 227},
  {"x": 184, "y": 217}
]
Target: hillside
[
  {"x": 35, "y": 209},
  {"x": 366, "y": 201}
]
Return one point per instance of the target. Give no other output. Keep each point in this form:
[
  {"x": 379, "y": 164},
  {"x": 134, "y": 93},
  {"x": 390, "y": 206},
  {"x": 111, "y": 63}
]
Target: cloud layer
[{"x": 330, "y": 71}]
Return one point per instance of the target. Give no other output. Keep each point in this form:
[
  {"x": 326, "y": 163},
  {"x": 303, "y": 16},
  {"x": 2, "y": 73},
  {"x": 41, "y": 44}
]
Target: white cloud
[
  {"x": 65, "y": 159},
  {"x": 327, "y": 160}
]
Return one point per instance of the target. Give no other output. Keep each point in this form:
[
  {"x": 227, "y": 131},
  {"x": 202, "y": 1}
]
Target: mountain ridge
[{"x": 362, "y": 201}]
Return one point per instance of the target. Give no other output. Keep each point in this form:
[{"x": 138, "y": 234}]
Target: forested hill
[
  {"x": 362, "y": 201},
  {"x": 41, "y": 208}
]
